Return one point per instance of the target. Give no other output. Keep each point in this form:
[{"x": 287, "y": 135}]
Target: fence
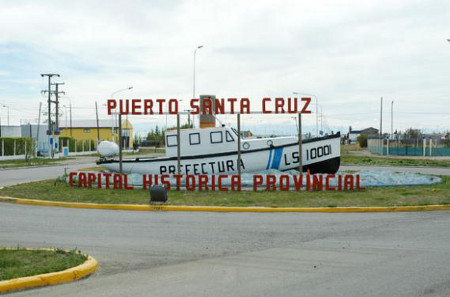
[
  {"x": 73, "y": 145},
  {"x": 78, "y": 146},
  {"x": 16, "y": 146},
  {"x": 410, "y": 147}
]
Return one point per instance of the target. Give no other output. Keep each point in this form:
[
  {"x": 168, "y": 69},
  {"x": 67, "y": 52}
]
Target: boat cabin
[
  {"x": 202, "y": 141},
  {"x": 207, "y": 141}
]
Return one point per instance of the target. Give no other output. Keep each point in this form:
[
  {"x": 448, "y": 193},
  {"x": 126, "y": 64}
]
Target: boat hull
[{"x": 319, "y": 155}]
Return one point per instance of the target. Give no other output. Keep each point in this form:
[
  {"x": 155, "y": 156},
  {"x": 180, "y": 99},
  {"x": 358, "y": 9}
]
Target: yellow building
[{"x": 107, "y": 130}]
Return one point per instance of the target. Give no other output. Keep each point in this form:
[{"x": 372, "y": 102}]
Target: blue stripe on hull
[
  {"x": 277, "y": 158},
  {"x": 270, "y": 158}
]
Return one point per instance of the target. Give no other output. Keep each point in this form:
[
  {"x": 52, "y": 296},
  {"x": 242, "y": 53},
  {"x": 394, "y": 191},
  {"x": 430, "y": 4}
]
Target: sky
[{"x": 347, "y": 54}]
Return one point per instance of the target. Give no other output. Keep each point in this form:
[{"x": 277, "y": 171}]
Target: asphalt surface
[
  {"x": 12, "y": 176},
  {"x": 236, "y": 254},
  {"x": 241, "y": 254}
]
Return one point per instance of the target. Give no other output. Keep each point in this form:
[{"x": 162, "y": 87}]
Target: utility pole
[
  {"x": 317, "y": 118},
  {"x": 120, "y": 143},
  {"x": 381, "y": 127},
  {"x": 392, "y": 119},
  {"x": 98, "y": 128},
  {"x": 189, "y": 117},
  {"x": 239, "y": 143},
  {"x": 299, "y": 130},
  {"x": 300, "y": 165},
  {"x": 70, "y": 108},
  {"x": 193, "y": 82},
  {"x": 49, "y": 102},
  {"x": 57, "y": 92},
  {"x": 321, "y": 119},
  {"x": 7, "y": 110},
  {"x": 39, "y": 125},
  {"x": 178, "y": 145}
]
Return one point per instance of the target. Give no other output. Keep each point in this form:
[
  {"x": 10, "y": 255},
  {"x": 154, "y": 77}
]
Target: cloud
[{"x": 348, "y": 53}]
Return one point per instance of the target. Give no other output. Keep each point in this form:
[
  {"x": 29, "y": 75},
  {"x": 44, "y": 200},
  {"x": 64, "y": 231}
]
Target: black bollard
[{"x": 158, "y": 194}]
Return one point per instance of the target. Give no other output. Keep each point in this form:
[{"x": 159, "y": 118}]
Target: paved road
[
  {"x": 13, "y": 176},
  {"x": 241, "y": 254}
]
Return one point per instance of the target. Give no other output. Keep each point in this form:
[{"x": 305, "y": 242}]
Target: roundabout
[
  {"x": 229, "y": 253},
  {"x": 232, "y": 254}
]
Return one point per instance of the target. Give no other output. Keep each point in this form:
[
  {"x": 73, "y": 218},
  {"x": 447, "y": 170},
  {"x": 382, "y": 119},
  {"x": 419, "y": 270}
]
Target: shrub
[
  {"x": 362, "y": 140},
  {"x": 23, "y": 144},
  {"x": 79, "y": 143}
]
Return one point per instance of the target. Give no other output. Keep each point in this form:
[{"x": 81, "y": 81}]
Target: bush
[
  {"x": 72, "y": 141},
  {"x": 362, "y": 140},
  {"x": 22, "y": 144}
]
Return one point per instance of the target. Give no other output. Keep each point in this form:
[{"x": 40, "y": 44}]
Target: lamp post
[
  {"x": 121, "y": 90},
  {"x": 321, "y": 119},
  {"x": 392, "y": 119},
  {"x": 8, "y": 111},
  {"x": 317, "y": 108},
  {"x": 120, "y": 129},
  {"x": 300, "y": 161},
  {"x": 193, "y": 82},
  {"x": 112, "y": 96},
  {"x": 189, "y": 117},
  {"x": 118, "y": 91},
  {"x": 296, "y": 124},
  {"x": 65, "y": 112},
  {"x": 195, "y": 54}
]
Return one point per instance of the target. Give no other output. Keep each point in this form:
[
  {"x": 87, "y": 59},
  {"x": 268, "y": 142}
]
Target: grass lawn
[
  {"x": 347, "y": 159},
  {"x": 20, "y": 262},
  {"x": 351, "y": 155},
  {"x": 387, "y": 196}
]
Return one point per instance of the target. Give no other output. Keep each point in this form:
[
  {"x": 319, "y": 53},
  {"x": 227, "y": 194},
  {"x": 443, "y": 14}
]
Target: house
[
  {"x": 107, "y": 130},
  {"x": 10, "y": 131},
  {"x": 353, "y": 134},
  {"x": 37, "y": 132}
]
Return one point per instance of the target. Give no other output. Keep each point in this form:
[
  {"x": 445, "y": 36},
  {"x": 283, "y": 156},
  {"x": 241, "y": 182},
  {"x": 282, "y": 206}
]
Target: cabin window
[
  {"x": 216, "y": 137},
  {"x": 194, "y": 138},
  {"x": 87, "y": 130},
  {"x": 171, "y": 140},
  {"x": 229, "y": 137}
]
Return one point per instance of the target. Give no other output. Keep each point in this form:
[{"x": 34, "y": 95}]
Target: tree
[
  {"x": 412, "y": 133},
  {"x": 137, "y": 141},
  {"x": 362, "y": 140}
]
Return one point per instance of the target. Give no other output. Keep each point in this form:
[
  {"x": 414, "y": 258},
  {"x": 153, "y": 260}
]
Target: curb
[
  {"x": 141, "y": 207},
  {"x": 52, "y": 278}
]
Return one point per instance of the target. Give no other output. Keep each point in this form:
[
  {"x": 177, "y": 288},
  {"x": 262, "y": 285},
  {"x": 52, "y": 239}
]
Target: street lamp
[
  {"x": 296, "y": 124},
  {"x": 70, "y": 114},
  {"x": 65, "y": 112},
  {"x": 317, "y": 108},
  {"x": 193, "y": 84},
  {"x": 121, "y": 90},
  {"x": 299, "y": 131},
  {"x": 8, "y": 111},
  {"x": 112, "y": 96},
  {"x": 120, "y": 129},
  {"x": 189, "y": 117},
  {"x": 195, "y": 53}
]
